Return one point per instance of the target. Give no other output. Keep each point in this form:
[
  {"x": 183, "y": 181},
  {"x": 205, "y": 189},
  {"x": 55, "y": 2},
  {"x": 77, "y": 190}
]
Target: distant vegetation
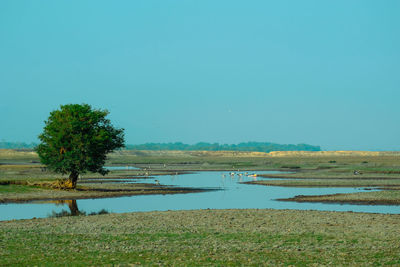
[
  {"x": 17, "y": 145},
  {"x": 248, "y": 146}
]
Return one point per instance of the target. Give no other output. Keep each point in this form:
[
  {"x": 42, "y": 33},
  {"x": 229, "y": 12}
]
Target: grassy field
[{"x": 206, "y": 237}]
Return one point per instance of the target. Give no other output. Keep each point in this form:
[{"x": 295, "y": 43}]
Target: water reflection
[{"x": 73, "y": 209}]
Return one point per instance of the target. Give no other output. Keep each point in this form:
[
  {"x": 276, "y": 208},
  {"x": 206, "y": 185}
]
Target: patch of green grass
[{"x": 12, "y": 188}]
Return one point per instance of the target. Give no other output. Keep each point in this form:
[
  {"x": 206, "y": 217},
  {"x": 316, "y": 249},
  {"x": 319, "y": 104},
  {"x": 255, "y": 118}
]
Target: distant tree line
[
  {"x": 248, "y": 146},
  {"x": 17, "y": 145}
]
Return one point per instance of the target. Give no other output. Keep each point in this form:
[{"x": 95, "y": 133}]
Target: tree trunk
[{"x": 73, "y": 178}]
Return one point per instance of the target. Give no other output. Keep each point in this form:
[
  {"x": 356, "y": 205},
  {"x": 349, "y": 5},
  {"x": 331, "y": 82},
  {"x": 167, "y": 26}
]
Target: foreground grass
[{"x": 207, "y": 237}]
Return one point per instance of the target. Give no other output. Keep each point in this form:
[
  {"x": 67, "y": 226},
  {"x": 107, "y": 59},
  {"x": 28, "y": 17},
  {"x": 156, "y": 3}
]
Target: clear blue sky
[{"x": 320, "y": 72}]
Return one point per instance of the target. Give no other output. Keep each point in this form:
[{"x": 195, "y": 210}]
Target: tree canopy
[{"x": 76, "y": 139}]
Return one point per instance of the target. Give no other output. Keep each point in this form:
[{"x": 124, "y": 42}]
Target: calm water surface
[{"x": 233, "y": 195}]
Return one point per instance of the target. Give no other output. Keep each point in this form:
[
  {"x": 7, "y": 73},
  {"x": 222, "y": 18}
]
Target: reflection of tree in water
[{"x": 73, "y": 209}]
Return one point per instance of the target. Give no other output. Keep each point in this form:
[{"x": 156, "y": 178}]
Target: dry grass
[
  {"x": 15, "y": 156},
  {"x": 347, "y": 153}
]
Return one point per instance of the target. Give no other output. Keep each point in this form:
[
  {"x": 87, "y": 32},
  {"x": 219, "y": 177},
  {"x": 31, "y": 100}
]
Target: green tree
[{"x": 76, "y": 139}]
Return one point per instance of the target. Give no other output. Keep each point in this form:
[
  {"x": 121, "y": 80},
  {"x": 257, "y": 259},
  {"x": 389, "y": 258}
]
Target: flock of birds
[
  {"x": 239, "y": 174},
  {"x": 231, "y": 174}
]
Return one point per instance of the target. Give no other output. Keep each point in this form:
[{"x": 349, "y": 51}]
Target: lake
[{"x": 232, "y": 194}]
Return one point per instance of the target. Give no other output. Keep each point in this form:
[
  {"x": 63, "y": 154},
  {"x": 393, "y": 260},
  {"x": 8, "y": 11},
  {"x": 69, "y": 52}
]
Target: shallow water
[{"x": 233, "y": 195}]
